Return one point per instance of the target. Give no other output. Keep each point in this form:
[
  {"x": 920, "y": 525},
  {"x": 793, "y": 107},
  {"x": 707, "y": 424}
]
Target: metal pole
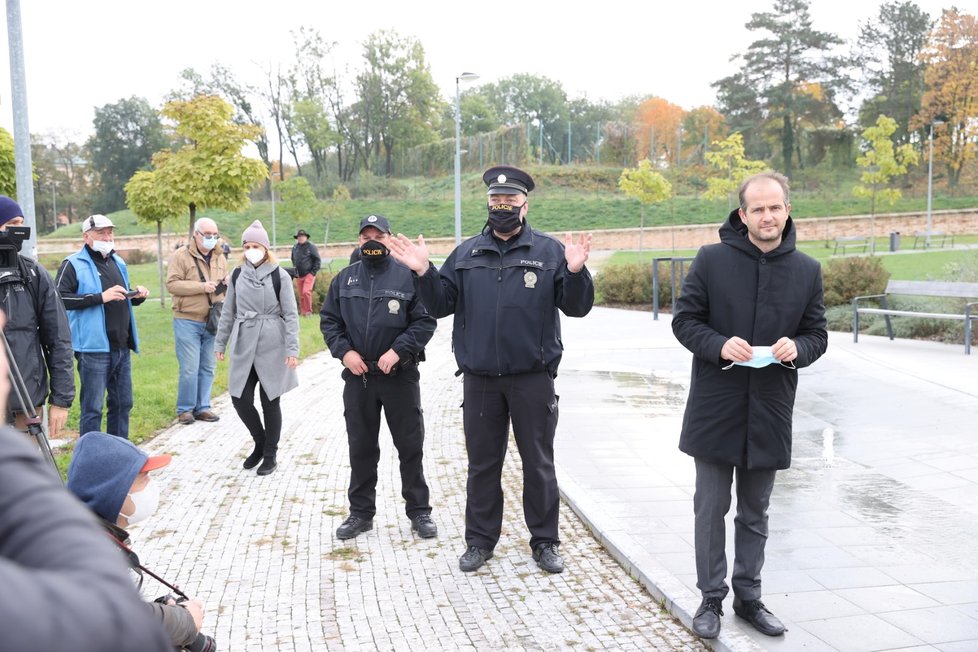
[
  {"x": 541, "y": 142},
  {"x": 22, "y": 132},
  {"x": 458, "y": 165},
  {"x": 569, "y": 142},
  {"x": 930, "y": 182}
]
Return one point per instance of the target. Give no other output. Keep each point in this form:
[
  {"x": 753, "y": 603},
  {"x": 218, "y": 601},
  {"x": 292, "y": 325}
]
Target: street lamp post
[
  {"x": 465, "y": 76},
  {"x": 930, "y": 178}
]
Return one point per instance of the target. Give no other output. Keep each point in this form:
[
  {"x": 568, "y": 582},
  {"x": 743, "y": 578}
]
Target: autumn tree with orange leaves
[{"x": 951, "y": 55}]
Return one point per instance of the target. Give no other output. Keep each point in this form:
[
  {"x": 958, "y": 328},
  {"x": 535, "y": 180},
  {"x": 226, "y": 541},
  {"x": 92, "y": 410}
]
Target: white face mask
[
  {"x": 255, "y": 256},
  {"x": 207, "y": 243},
  {"x": 104, "y": 247},
  {"x": 144, "y": 503}
]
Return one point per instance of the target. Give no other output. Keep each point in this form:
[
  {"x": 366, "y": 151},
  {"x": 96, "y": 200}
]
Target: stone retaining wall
[{"x": 658, "y": 237}]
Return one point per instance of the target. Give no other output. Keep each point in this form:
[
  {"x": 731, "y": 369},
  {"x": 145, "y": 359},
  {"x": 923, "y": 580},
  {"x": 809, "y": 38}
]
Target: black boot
[
  {"x": 267, "y": 465},
  {"x": 252, "y": 460}
]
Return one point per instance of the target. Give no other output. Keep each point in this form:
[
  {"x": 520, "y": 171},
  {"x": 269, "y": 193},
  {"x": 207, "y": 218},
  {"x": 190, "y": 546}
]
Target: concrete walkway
[{"x": 873, "y": 529}]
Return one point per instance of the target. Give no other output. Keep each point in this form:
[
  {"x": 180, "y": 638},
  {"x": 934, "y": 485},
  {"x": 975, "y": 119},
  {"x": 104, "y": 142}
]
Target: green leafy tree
[
  {"x": 726, "y": 158},
  {"x": 209, "y": 171},
  {"x": 8, "y": 170},
  {"x": 154, "y": 202},
  {"x": 881, "y": 164},
  {"x": 127, "y": 133},
  {"x": 334, "y": 207},
  {"x": 647, "y": 186},
  {"x": 398, "y": 99},
  {"x": 889, "y": 48},
  {"x": 298, "y": 201},
  {"x": 784, "y": 64}
]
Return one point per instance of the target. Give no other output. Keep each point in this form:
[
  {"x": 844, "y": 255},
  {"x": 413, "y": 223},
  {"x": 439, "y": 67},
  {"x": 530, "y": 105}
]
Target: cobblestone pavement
[{"x": 261, "y": 552}]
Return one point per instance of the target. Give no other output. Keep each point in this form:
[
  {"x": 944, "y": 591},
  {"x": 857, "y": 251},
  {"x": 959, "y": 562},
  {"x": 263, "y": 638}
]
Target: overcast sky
[{"x": 81, "y": 55}]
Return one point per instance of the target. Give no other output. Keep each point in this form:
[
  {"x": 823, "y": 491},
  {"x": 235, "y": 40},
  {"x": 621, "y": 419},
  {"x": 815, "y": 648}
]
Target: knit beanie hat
[
  {"x": 9, "y": 209},
  {"x": 103, "y": 469},
  {"x": 256, "y": 233}
]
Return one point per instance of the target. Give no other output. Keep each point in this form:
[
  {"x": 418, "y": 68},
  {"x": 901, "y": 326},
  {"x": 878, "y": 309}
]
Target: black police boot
[
  {"x": 473, "y": 559},
  {"x": 353, "y": 526},
  {"x": 424, "y": 526}
]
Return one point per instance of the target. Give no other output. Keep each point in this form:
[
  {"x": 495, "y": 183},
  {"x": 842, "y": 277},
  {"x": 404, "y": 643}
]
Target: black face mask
[
  {"x": 504, "y": 218},
  {"x": 372, "y": 251}
]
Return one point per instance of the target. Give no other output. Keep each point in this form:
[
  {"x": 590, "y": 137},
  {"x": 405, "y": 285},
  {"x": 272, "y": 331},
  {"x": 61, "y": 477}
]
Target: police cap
[
  {"x": 376, "y": 221},
  {"x": 505, "y": 180}
]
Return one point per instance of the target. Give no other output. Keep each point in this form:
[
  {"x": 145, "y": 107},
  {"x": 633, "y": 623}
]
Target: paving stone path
[{"x": 261, "y": 552}]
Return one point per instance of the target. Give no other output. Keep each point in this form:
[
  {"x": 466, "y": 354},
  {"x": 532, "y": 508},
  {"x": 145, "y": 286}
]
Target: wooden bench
[
  {"x": 943, "y": 289},
  {"x": 845, "y": 242},
  {"x": 929, "y": 238}
]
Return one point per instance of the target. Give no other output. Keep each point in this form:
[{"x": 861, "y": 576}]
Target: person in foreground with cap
[
  {"x": 94, "y": 286},
  {"x": 374, "y": 322},
  {"x": 111, "y": 476},
  {"x": 67, "y": 588},
  {"x": 504, "y": 287},
  {"x": 262, "y": 323},
  {"x": 306, "y": 261},
  {"x": 196, "y": 278},
  {"x": 751, "y": 313},
  {"x": 38, "y": 334}
]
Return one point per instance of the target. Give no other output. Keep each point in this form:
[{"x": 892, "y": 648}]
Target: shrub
[
  {"x": 632, "y": 284},
  {"x": 136, "y": 256},
  {"x": 846, "y": 278}
]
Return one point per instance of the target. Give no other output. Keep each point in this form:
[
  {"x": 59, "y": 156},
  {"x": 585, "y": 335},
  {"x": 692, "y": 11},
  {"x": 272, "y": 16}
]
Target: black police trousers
[
  {"x": 489, "y": 404},
  {"x": 400, "y": 397}
]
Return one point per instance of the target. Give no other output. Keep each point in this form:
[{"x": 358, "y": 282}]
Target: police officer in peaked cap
[{"x": 505, "y": 287}]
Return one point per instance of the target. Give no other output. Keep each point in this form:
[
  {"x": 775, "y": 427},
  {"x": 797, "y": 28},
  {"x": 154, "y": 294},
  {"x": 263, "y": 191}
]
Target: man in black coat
[
  {"x": 306, "y": 261},
  {"x": 37, "y": 332},
  {"x": 374, "y": 322},
  {"x": 505, "y": 287},
  {"x": 751, "y": 313}
]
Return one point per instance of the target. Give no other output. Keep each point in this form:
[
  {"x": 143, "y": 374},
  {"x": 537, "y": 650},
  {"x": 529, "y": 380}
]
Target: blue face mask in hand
[{"x": 763, "y": 356}]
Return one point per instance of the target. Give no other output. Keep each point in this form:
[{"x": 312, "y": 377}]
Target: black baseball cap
[{"x": 376, "y": 221}]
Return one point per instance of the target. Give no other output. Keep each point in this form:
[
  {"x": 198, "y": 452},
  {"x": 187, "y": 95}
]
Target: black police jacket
[
  {"x": 38, "y": 333},
  {"x": 373, "y": 307},
  {"x": 505, "y": 301}
]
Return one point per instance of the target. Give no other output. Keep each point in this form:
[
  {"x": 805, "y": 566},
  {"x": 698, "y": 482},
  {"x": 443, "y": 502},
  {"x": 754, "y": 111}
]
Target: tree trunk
[
  {"x": 159, "y": 260},
  {"x": 193, "y": 218},
  {"x": 787, "y": 144}
]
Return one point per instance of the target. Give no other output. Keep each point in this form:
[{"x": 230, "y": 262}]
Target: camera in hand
[
  {"x": 11, "y": 240},
  {"x": 203, "y": 642}
]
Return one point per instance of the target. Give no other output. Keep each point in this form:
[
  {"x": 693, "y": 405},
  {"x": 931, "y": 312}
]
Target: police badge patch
[
  {"x": 530, "y": 280},
  {"x": 393, "y": 306}
]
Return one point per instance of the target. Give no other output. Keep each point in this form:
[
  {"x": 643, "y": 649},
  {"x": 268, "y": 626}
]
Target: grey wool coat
[{"x": 261, "y": 329}]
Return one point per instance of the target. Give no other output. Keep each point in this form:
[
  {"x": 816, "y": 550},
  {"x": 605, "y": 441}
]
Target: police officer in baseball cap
[{"x": 505, "y": 287}]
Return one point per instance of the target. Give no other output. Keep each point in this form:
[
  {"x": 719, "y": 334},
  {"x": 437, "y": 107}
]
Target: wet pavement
[
  {"x": 872, "y": 543},
  {"x": 872, "y": 529}
]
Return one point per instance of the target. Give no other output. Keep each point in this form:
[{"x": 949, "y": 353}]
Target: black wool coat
[{"x": 741, "y": 416}]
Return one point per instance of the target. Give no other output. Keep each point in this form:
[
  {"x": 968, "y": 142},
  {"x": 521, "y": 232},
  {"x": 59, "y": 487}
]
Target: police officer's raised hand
[
  {"x": 355, "y": 363},
  {"x": 412, "y": 255},
  {"x": 388, "y": 360},
  {"x": 576, "y": 253}
]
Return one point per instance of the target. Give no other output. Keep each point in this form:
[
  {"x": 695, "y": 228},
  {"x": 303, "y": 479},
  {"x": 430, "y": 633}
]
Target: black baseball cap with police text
[
  {"x": 505, "y": 180},
  {"x": 376, "y": 221}
]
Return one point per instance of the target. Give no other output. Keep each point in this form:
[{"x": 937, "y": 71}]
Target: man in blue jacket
[
  {"x": 374, "y": 322},
  {"x": 94, "y": 286},
  {"x": 751, "y": 313},
  {"x": 504, "y": 287}
]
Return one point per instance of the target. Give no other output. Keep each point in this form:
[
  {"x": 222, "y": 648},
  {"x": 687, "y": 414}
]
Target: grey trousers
[{"x": 710, "y": 504}]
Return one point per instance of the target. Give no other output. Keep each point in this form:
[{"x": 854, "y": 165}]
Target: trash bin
[{"x": 894, "y": 241}]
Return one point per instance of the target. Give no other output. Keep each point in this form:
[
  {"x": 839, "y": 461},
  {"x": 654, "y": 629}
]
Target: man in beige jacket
[{"x": 197, "y": 278}]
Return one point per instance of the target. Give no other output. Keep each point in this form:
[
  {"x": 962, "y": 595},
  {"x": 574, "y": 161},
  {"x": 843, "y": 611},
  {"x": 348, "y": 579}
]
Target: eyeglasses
[{"x": 209, "y": 235}]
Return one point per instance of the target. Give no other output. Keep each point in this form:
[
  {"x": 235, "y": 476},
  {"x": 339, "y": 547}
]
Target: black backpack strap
[{"x": 33, "y": 283}]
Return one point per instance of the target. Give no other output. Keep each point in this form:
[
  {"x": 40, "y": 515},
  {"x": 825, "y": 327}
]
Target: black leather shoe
[
  {"x": 252, "y": 460},
  {"x": 706, "y": 622},
  {"x": 268, "y": 465},
  {"x": 424, "y": 526},
  {"x": 547, "y": 557},
  {"x": 473, "y": 559},
  {"x": 754, "y": 612},
  {"x": 353, "y": 526}
]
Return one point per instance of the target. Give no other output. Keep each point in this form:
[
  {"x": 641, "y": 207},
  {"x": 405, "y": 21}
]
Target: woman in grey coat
[{"x": 262, "y": 322}]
